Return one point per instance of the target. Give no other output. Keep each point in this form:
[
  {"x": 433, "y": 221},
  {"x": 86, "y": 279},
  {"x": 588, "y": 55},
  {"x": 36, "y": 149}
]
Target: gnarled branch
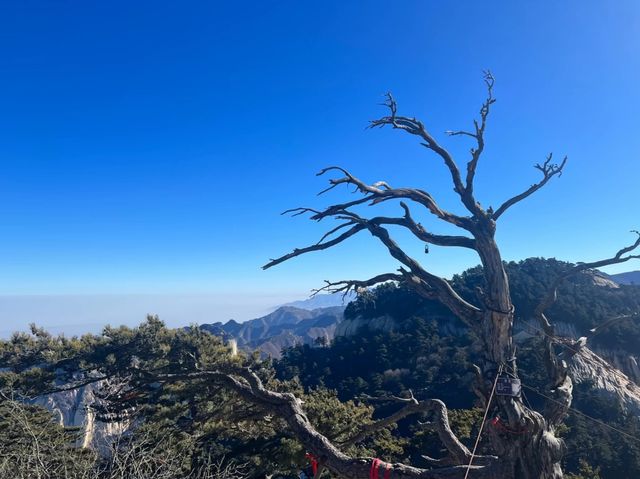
[
  {"x": 289, "y": 408},
  {"x": 617, "y": 258},
  {"x": 548, "y": 169},
  {"x": 380, "y": 192},
  {"x": 478, "y": 135},
  {"x": 416, "y": 127},
  {"x": 421, "y": 233},
  {"x": 426, "y": 283},
  {"x": 355, "y": 285},
  {"x": 458, "y": 452},
  {"x": 355, "y": 228}
]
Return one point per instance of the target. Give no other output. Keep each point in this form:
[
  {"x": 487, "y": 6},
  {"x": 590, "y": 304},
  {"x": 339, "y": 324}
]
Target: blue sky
[{"x": 149, "y": 147}]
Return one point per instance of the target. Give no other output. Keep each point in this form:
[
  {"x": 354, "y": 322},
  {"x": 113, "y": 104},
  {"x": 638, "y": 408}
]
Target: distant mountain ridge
[
  {"x": 321, "y": 316},
  {"x": 323, "y": 301},
  {"x": 630, "y": 277},
  {"x": 286, "y": 326}
]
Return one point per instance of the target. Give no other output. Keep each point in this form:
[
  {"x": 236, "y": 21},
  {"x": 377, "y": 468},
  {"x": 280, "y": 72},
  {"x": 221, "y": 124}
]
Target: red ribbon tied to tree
[
  {"x": 314, "y": 462},
  {"x": 375, "y": 467}
]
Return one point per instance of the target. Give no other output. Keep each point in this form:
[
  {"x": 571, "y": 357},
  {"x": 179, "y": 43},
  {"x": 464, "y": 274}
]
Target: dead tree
[{"x": 534, "y": 453}]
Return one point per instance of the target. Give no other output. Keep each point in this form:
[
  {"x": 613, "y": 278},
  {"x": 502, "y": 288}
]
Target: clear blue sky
[{"x": 148, "y": 147}]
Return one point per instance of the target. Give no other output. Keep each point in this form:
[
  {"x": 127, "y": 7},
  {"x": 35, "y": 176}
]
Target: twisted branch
[
  {"x": 416, "y": 127},
  {"x": 428, "y": 284},
  {"x": 478, "y": 134},
  {"x": 357, "y": 227},
  {"x": 380, "y": 192},
  {"x": 617, "y": 258},
  {"x": 458, "y": 452},
  {"x": 346, "y": 286},
  {"x": 286, "y": 406},
  {"x": 548, "y": 169}
]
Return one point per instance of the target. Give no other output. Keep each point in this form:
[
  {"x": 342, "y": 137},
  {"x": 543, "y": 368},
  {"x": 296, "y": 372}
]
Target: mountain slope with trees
[
  {"x": 427, "y": 351},
  {"x": 420, "y": 354}
]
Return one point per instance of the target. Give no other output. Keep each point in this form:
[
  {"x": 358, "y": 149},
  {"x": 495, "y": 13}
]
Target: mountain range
[
  {"x": 285, "y": 327},
  {"x": 323, "y": 301},
  {"x": 304, "y": 321},
  {"x": 630, "y": 277}
]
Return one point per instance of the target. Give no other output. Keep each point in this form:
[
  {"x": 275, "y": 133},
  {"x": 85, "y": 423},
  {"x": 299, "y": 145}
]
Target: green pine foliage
[
  {"x": 194, "y": 422},
  {"x": 33, "y": 445},
  {"x": 200, "y": 425}
]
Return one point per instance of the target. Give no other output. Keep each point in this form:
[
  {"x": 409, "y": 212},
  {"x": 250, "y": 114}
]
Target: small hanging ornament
[{"x": 508, "y": 386}]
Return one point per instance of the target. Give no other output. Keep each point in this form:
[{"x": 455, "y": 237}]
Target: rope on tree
[{"x": 484, "y": 418}]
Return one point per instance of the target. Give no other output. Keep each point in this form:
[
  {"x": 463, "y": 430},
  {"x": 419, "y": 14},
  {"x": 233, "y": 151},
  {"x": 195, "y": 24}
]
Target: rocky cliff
[
  {"x": 609, "y": 381},
  {"x": 73, "y": 409}
]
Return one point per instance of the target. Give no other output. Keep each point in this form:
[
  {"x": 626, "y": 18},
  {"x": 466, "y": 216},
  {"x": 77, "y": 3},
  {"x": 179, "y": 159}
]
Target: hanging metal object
[{"x": 508, "y": 386}]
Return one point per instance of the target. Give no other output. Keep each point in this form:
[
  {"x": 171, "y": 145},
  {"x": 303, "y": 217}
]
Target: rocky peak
[{"x": 608, "y": 380}]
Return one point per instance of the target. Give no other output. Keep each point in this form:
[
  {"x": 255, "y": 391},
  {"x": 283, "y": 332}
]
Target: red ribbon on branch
[
  {"x": 497, "y": 423},
  {"x": 375, "y": 467},
  {"x": 314, "y": 462}
]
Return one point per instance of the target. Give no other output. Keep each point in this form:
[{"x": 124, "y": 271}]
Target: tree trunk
[
  {"x": 531, "y": 453},
  {"x": 527, "y": 445}
]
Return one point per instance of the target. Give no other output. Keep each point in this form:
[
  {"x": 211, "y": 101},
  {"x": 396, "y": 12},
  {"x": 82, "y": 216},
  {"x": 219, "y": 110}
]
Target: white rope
[
  {"x": 597, "y": 421},
  {"x": 484, "y": 419}
]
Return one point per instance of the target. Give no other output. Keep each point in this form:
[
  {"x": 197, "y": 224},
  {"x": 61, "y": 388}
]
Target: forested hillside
[
  {"x": 179, "y": 424},
  {"x": 430, "y": 352}
]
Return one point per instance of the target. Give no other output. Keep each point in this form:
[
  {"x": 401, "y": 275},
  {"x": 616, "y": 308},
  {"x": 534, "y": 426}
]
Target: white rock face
[
  {"x": 600, "y": 280},
  {"x": 587, "y": 366},
  {"x": 72, "y": 409},
  {"x": 623, "y": 360}
]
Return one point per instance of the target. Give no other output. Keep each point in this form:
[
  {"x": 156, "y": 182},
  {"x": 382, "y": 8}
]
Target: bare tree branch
[
  {"x": 430, "y": 285},
  {"x": 426, "y": 283},
  {"x": 458, "y": 452},
  {"x": 289, "y": 408},
  {"x": 478, "y": 135},
  {"x": 380, "y": 192},
  {"x": 548, "y": 169},
  {"x": 318, "y": 246},
  {"x": 355, "y": 285},
  {"x": 419, "y": 232},
  {"x": 617, "y": 258},
  {"x": 416, "y": 127}
]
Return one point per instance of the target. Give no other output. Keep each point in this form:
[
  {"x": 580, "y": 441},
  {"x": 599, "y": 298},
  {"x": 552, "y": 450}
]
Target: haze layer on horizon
[
  {"x": 89, "y": 313},
  {"x": 151, "y": 146}
]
